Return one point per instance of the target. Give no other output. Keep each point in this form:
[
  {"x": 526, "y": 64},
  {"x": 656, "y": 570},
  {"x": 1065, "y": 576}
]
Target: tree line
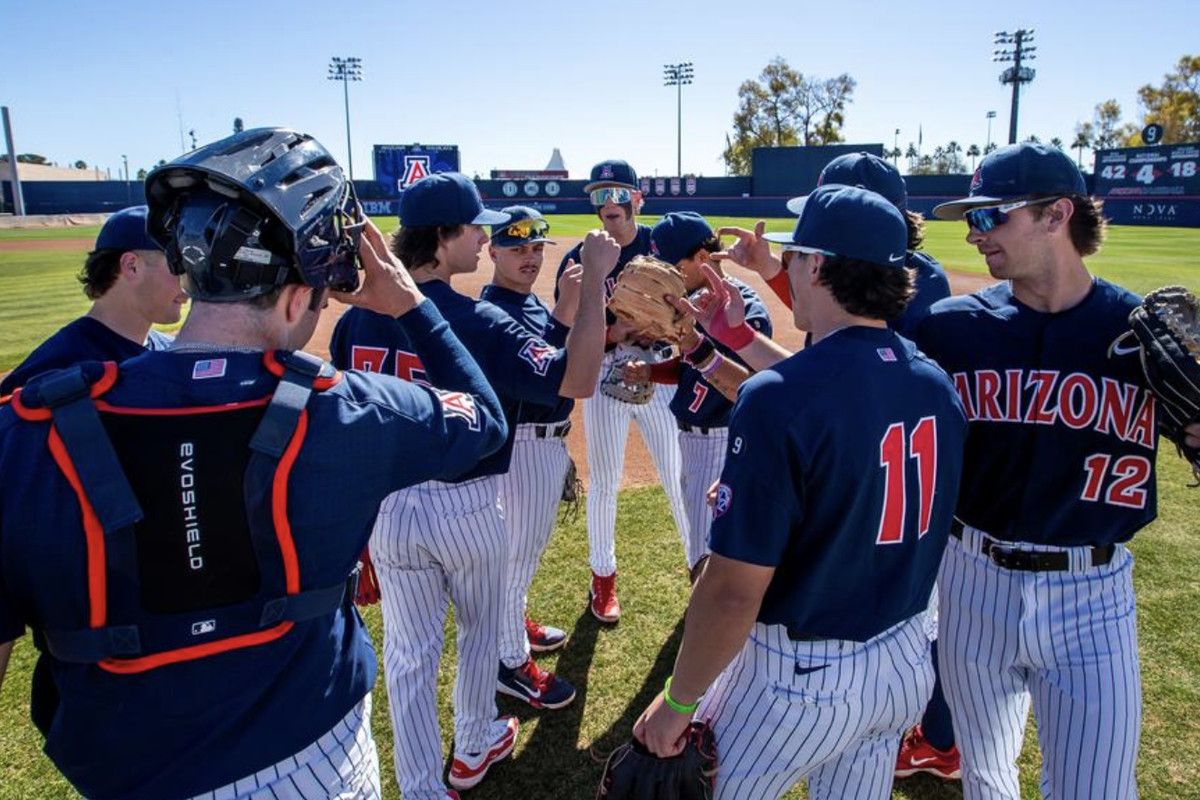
[{"x": 783, "y": 107}]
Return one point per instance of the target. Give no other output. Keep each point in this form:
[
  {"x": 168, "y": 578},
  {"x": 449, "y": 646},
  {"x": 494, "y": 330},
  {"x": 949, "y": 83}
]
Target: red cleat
[
  {"x": 603, "y": 595},
  {"x": 917, "y": 755},
  {"x": 543, "y": 638},
  {"x": 468, "y": 769}
]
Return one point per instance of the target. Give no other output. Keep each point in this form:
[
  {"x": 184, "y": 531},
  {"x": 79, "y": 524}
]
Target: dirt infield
[
  {"x": 17, "y": 245},
  {"x": 639, "y": 471}
]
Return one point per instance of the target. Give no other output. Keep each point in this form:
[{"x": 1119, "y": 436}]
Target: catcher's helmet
[{"x": 247, "y": 214}]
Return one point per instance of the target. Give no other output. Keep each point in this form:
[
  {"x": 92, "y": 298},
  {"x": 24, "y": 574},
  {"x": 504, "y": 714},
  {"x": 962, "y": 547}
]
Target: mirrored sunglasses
[
  {"x": 524, "y": 229},
  {"x": 618, "y": 194},
  {"x": 989, "y": 217}
]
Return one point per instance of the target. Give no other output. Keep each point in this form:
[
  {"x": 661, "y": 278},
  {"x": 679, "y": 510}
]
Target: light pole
[
  {"x": 677, "y": 75},
  {"x": 896, "y": 147},
  {"x": 1016, "y": 74},
  {"x": 991, "y": 115},
  {"x": 346, "y": 70},
  {"x": 128, "y": 192}
]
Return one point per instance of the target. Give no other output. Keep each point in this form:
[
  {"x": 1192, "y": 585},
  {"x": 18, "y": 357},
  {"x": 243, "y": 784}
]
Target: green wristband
[{"x": 675, "y": 705}]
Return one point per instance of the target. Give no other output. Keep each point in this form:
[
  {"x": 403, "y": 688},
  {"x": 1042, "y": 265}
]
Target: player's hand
[
  {"x": 568, "y": 293},
  {"x": 636, "y": 372},
  {"x": 599, "y": 255},
  {"x": 710, "y": 497},
  {"x": 1193, "y": 435},
  {"x": 386, "y": 286},
  {"x": 750, "y": 250},
  {"x": 661, "y": 729},
  {"x": 720, "y": 308}
]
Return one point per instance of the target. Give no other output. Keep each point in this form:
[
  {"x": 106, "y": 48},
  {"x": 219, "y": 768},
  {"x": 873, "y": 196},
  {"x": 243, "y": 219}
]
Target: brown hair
[
  {"x": 868, "y": 290},
  {"x": 417, "y": 245},
  {"x": 1087, "y": 227},
  {"x": 916, "y": 229},
  {"x": 100, "y": 272}
]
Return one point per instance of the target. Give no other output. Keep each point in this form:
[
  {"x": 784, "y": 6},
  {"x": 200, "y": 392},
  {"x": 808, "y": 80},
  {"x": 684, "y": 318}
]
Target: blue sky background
[{"x": 509, "y": 82}]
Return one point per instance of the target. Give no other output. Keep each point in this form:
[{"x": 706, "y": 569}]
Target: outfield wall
[{"x": 778, "y": 177}]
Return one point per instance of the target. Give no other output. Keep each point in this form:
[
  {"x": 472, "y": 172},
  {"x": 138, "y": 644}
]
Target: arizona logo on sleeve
[{"x": 459, "y": 405}]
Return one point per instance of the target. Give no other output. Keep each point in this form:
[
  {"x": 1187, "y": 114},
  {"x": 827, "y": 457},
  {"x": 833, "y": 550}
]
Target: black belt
[
  {"x": 552, "y": 431},
  {"x": 1009, "y": 557},
  {"x": 686, "y": 428}
]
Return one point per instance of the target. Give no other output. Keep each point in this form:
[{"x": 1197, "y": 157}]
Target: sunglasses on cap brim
[
  {"x": 524, "y": 229},
  {"x": 989, "y": 217},
  {"x": 618, "y": 194}
]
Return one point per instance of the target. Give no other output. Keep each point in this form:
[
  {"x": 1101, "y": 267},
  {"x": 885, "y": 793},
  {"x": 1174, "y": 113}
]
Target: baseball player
[
  {"x": 615, "y": 196},
  {"x": 1036, "y": 595},
  {"x": 701, "y": 405},
  {"x": 178, "y": 531},
  {"x": 531, "y": 488},
  {"x": 833, "y": 510},
  {"x": 445, "y": 540},
  {"x": 870, "y": 172},
  {"x": 131, "y": 288}
]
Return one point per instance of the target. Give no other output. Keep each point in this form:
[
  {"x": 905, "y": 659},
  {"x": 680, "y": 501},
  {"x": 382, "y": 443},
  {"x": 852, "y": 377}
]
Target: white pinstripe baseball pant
[
  {"x": 434, "y": 543},
  {"x": 529, "y": 493},
  {"x": 830, "y": 710},
  {"x": 1065, "y": 640},
  {"x": 703, "y": 455},
  {"x": 606, "y": 429},
  {"x": 342, "y": 764}
]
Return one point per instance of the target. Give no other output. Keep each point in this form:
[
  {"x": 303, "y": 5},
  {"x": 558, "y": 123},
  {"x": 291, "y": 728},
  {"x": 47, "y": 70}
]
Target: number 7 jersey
[
  {"x": 842, "y": 473},
  {"x": 1063, "y": 433}
]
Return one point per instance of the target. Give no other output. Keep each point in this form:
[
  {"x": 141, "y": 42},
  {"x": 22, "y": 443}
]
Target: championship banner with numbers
[
  {"x": 398, "y": 166},
  {"x": 1155, "y": 185}
]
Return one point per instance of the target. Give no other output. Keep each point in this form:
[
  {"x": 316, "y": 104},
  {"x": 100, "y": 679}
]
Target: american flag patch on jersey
[
  {"x": 886, "y": 354},
  {"x": 208, "y": 368},
  {"x": 459, "y": 405},
  {"x": 539, "y": 355}
]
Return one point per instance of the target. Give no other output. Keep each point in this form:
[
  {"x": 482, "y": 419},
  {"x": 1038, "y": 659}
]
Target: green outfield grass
[{"x": 618, "y": 670}]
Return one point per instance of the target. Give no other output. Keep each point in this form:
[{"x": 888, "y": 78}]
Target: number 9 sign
[{"x": 1152, "y": 134}]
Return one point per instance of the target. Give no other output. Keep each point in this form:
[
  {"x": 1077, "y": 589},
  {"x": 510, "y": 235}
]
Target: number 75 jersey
[
  {"x": 1061, "y": 447},
  {"x": 842, "y": 473}
]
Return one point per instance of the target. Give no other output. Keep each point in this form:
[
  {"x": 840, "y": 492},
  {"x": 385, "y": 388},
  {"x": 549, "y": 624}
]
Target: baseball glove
[
  {"x": 615, "y": 386},
  {"x": 637, "y": 299},
  {"x": 1167, "y": 328},
  {"x": 572, "y": 491},
  {"x": 634, "y": 773}
]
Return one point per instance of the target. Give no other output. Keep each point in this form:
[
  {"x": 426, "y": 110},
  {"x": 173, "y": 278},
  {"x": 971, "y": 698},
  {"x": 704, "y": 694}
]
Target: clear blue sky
[{"x": 508, "y": 82}]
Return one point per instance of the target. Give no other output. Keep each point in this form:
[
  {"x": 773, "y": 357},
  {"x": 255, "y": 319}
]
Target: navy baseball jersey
[
  {"x": 696, "y": 401},
  {"x": 841, "y": 473},
  {"x": 520, "y": 366},
  {"x": 640, "y": 246},
  {"x": 1062, "y": 443},
  {"x": 530, "y": 311},
  {"x": 931, "y": 286},
  {"x": 84, "y": 339},
  {"x": 192, "y": 726}
]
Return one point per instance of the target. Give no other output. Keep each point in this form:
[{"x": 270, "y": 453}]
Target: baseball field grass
[{"x": 618, "y": 670}]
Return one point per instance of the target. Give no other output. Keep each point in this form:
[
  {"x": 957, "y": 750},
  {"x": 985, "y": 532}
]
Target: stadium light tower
[
  {"x": 991, "y": 115},
  {"x": 1016, "y": 74},
  {"x": 346, "y": 70},
  {"x": 677, "y": 75}
]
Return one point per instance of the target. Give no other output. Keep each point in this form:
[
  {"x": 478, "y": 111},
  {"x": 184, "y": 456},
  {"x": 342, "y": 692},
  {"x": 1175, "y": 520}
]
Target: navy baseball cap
[
  {"x": 525, "y": 226},
  {"x": 1017, "y": 171},
  {"x": 612, "y": 173},
  {"x": 678, "y": 234},
  {"x": 849, "y": 221},
  {"x": 126, "y": 230},
  {"x": 865, "y": 170},
  {"x": 445, "y": 198}
]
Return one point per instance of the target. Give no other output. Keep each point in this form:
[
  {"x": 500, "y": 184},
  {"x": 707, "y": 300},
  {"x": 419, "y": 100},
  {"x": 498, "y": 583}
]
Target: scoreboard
[{"x": 1150, "y": 185}]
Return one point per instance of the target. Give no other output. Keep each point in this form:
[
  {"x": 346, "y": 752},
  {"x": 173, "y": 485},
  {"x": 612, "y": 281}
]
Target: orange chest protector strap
[{"x": 177, "y": 569}]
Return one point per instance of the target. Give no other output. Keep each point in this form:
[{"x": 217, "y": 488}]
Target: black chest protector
[{"x": 189, "y": 548}]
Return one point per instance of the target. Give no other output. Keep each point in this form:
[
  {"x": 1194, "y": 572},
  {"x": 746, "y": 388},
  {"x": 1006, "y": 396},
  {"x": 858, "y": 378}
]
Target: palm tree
[
  {"x": 911, "y": 154},
  {"x": 1083, "y": 139},
  {"x": 973, "y": 153},
  {"x": 1057, "y": 142}
]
